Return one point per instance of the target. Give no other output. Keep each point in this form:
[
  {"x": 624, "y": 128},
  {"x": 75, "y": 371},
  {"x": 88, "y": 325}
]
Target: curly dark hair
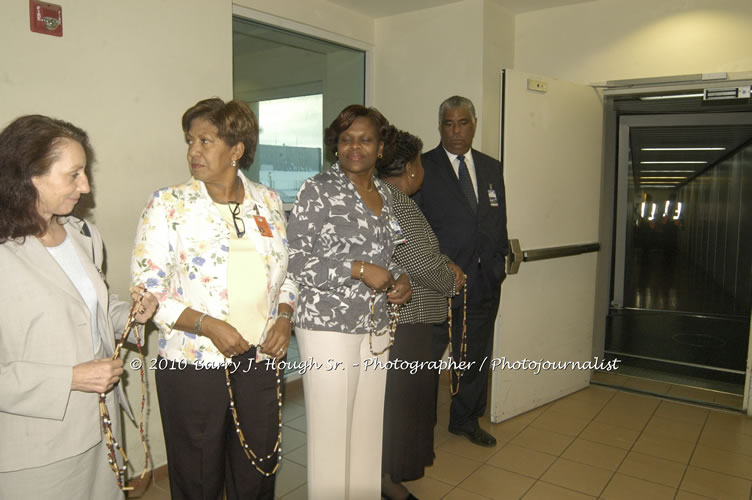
[
  {"x": 28, "y": 148},
  {"x": 235, "y": 122},
  {"x": 346, "y": 118},
  {"x": 407, "y": 147}
]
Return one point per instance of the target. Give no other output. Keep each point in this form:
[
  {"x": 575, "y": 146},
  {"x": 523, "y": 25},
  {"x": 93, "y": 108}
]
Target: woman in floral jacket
[{"x": 214, "y": 252}]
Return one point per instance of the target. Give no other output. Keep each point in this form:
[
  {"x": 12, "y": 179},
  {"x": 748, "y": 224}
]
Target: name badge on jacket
[
  {"x": 492, "y": 196},
  {"x": 263, "y": 226},
  {"x": 399, "y": 238}
]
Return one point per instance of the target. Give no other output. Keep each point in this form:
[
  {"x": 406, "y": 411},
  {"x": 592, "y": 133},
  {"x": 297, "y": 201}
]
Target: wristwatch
[{"x": 288, "y": 316}]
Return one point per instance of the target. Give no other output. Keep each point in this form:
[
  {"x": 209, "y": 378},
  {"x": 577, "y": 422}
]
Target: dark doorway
[{"x": 682, "y": 273}]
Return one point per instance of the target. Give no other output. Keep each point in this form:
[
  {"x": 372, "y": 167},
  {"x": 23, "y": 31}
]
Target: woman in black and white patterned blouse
[
  {"x": 409, "y": 404},
  {"x": 341, "y": 234}
]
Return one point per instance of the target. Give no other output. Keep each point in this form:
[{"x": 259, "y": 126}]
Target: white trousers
[{"x": 344, "y": 402}]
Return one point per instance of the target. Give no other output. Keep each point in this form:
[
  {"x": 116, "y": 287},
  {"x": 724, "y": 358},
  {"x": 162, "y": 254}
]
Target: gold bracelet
[{"x": 362, "y": 268}]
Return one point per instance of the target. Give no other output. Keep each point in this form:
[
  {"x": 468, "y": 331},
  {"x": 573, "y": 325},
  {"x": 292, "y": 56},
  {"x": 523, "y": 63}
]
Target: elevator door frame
[{"x": 620, "y": 146}]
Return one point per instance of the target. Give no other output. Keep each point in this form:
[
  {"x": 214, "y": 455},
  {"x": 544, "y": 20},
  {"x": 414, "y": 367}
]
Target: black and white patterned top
[
  {"x": 330, "y": 227},
  {"x": 431, "y": 280}
]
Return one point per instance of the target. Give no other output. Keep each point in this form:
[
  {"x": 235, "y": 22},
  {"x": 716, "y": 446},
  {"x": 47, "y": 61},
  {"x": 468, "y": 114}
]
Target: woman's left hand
[
  {"x": 278, "y": 339},
  {"x": 149, "y": 303},
  {"x": 401, "y": 292}
]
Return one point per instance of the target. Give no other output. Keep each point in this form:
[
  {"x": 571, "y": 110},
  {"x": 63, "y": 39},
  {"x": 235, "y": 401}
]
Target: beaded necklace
[
  {"x": 393, "y": 319},
  {"x": 453, "y": 390},
  {"x": 113, "y": 446},
  {"x": 256, "y": 460}
]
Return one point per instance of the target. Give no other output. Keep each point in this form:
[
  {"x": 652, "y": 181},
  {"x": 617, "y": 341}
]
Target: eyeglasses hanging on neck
[{"x": 237, "y": 220}]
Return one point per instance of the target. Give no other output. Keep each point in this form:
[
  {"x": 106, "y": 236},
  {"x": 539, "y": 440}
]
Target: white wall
[
  {"x": 498, "y": 54},
  {"x": 613, "y": 39},
  {"x": 127, "y": 83},
  {"x": 422, "y": 58}
]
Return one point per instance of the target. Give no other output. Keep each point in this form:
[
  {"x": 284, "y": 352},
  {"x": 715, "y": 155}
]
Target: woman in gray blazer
[{"x": 58, "y": 324}]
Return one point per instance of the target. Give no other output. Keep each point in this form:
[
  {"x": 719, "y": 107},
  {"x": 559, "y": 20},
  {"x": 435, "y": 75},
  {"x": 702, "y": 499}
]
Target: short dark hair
[
  {"x": 346, "y": 118},
  {"x": 28, "y": 148},
  {"x": 407, "y": 147},
  {"x": 235, "y": 122}
]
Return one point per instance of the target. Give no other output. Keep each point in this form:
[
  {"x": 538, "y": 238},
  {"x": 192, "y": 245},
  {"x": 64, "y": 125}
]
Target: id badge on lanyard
[
  {"x": 399, "y": 237},
  {"x": 262, "y": 224},
  {"x": 492, "y": 199}
]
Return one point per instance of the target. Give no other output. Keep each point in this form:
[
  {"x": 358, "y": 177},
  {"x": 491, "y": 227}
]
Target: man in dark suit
[{"x": 463, "y": 199}]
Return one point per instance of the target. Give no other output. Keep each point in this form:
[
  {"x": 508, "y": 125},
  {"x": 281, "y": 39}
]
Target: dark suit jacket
[{"x": 477, "y": 242}]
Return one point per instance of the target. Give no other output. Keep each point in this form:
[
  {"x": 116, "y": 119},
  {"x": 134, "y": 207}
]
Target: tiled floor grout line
[
  {"x": 613, "y": 473},
  {"x": 457, "y": 486},
  {"x": 512, "y": 439},
  {"x": 631, "y": 448},
  {"x": 689, "y": 461},
  {"x": 552, "y": 463}
]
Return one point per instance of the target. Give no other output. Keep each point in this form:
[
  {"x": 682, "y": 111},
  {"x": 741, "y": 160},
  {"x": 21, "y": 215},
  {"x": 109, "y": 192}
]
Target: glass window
[
  {"x": 296, "y": 85},
  {"x": 289, "y": 150}
]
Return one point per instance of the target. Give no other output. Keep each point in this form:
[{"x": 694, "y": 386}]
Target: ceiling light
[
  {"x": 669, "y": 171},
  {"x": 660, "y": 182},
  {"x": 672, "y": 162},
  {"x": 672, "y": 96},
  {"x": 683, "y": 149},
  {"x": 660, "y": 187},
  {"x": 661, "y": 177}
]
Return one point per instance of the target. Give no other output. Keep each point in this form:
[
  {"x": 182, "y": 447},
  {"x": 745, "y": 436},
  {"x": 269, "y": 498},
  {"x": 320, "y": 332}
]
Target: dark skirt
[{"x": 409, "y": 406}]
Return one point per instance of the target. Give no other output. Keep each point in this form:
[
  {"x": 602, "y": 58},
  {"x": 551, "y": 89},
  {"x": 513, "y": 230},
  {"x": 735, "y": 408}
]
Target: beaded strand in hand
[
  {"x": 463, "y": 345},
  {"x": 113, "y": 446}
]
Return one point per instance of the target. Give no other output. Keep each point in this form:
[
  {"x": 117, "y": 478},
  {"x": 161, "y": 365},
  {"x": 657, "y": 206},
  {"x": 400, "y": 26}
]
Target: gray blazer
[{"x": 45, "y": 329}]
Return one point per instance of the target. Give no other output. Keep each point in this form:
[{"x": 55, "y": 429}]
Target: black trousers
[
  {"x": 470, "y": 402},
  {"x": 408, "y": 406},
  {"x": 204, "y": 456}
]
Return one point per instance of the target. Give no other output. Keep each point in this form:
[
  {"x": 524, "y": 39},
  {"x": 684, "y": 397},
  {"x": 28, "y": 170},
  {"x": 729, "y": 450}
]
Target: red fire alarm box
[{"x": 46, "y": 18}]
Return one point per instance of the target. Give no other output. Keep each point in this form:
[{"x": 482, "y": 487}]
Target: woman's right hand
[
  {"x": 459, "y": 277},
  {"x": 97, "y": 375},
  {"x": 224, "y": 336},
  {"x": 375, "y": 277}
]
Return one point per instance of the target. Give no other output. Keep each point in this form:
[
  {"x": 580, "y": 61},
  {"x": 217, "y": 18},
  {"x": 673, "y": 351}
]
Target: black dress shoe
[{"x": 478, "y": 436}]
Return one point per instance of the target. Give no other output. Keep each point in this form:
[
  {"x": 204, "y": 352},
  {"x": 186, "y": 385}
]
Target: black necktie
[{"x": 466, "y": 183}]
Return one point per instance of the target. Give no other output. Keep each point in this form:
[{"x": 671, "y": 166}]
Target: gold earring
[
  {"x": 379, "y": 156},
  {"x": 412, "y": 175},
  {"x": 336, "y": 154},
  {"x": 234, "y": 163}
]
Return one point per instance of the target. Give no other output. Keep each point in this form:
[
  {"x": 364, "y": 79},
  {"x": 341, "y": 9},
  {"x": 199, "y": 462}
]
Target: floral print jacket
[{"x": 181, "y": 254}]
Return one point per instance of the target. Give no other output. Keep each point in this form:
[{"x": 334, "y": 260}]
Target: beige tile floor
[{"x": 596, "y": 443}]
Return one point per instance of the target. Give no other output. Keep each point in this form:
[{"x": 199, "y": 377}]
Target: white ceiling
[{"x": 384, "y": 8}]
